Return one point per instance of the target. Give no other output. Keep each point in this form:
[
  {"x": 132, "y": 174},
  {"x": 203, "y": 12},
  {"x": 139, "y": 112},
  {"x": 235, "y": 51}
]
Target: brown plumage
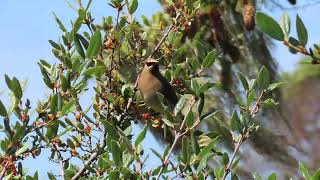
[{"x": 152, "y": 82}]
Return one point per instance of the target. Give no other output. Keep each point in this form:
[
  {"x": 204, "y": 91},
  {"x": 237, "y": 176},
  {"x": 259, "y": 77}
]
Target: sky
[{"x": 26, "y": 27}]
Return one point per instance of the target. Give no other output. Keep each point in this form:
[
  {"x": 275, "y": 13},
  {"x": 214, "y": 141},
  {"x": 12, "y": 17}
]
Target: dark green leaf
[
  {"x": 68, "y": 107},
  {"x": 205, "y": 87},
  {"x": 235, "y": 122},
  {"x": 16, "y": 88},
  {"x": 141, "y": 136},
  {"x": 114, "y": 175},
  {"x": 200, "y": 104},
  {"x": 70, "y": 143},
  {"x": 94, "y": 45},
  {"x": 116, "y": 153},
  {"x": 301, "y": 31},
  {"x": 59, "y": 23},
  {"x": 207, "y": 149},
  {"x": 54, "y": 44},
  {"x": 185, "y": 150},
  {"x": 203, "y": 163},
  {"x": 94, "y": 71},
  {"x": 210, "y": 59},
  {"x": 189, "y": 118},
  {"x": 263, "y": 78},
  {"x": 133, "y": 6},
  {"x": 244, "y": 81},
  {"x": 3, "y": 111},
  {"x": 273, "y": 176},
  {"x": 78, "y": 46},
  {"x": 51, "y": 176},
  {"x": 273, "y": 86},
  {"x": 268, "y": 25}
]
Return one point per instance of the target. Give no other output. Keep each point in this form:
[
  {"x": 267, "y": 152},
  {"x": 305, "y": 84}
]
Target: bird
[{"x": 151, "y": 82}]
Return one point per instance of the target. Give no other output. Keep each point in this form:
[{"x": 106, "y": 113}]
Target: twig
[
  {"x": 92, "y": 158},
  {"x": 60, "y": 160},
  {"x": 176, "y": 139},
  {"x": 243, "y": 136},
  {"x": 152, "y": 54},
  {"x": 165, "y": 36},
  {"x": 3, "y": 172}
]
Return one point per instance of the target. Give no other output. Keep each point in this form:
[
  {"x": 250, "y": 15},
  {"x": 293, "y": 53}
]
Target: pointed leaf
[
  {"x": 94, "y": 45},
  {"x": 285, "y": 24},
  {"x": 301, "y": 31},
  {"x": 141, "y": 136},
  {"x": 3, "y": 111},
  {"x": 133, "y": 6},
  {"x": 268, "y": 25},
  {"x": 210, "y": 59}
]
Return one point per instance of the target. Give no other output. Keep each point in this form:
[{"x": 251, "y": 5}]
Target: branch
[
  {"x": 243, "y": 136},
  {"x": 92, "y": 158},
  {"x": 152, "y": 54},
  {"x": 177, "y": 136}
]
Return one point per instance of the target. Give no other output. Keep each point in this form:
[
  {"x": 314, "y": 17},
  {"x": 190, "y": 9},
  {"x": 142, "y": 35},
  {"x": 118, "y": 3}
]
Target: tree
[{"x": 190, "y": 41}]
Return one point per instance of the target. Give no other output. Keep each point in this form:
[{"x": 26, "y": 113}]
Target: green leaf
[
  {"x": 194, "y": 85},
  {"x": 210, "y": 59},
  {"x": 133, "y": 6},
  {"x": 306, "y": 174},
  {"x": 70, "y": 143},
  {"x": 168, "y": 122},
  {"x": 116, "y": 153},
  {"x": 8, "y": 81},
  {"x": 179, "y": 105},
  {"x": 185, "y": 150},
  {"x": 94, "y": 71},
  {"x": 205, "y": 87},
  {"x": 59, "y": 23},
  {"x": 207, "y": 149},
  {"x": 203, "y": 163},
  {"x": 16, "y": 88},
  {"x": 244, "y": 81},
  {"x": 51, "y": 176},
  {"x": 268, "y": 25},
  {"x": 250, "y": 98},
  {"x": 94, "y": 45},
  {"x": 316, "y": 175},
  {"x": 200, "y": 104},
  {"x": 301, "y": 31},
  {"x": 22, "y": 150},
  {"x": 273, "y": 86},
  {"x": 263, "y": 78},
  {"x": 3, "y": 111},
  {"x": 54, "y": 103},
  {"x": 78, "y": 46},
  {"x": 235, "y": 122},
  {"x": 225, "y": 158},
  {"x": 141, "y": 136},
  {"x": 268, "y": 103},
  {"x": 54, "y": 44},
  {"x": 273, "y": 176},
  {"x": 285, "y": 24},
  {"x": 68, "y": 107},
  {"x": 114, "y": 175},
  {"x": 189, "y": 118}
]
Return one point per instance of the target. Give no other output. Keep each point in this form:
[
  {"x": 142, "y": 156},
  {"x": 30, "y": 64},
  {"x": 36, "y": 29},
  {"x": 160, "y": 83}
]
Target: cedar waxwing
[{"x": 152, "y": 82}]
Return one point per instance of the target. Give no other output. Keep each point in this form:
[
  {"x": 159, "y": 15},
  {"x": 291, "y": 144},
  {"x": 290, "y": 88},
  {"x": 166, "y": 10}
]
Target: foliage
[{"x": 100, "y": 59}]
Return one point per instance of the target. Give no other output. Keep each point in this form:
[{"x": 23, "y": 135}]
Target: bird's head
[{"x": 152, "y": 65}]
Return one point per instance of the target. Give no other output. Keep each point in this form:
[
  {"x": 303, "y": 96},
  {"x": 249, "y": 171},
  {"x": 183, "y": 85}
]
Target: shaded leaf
[
  {"x": 268, "y": 25},
  {"x": 301, "y": 31},
  {"x": 94, "y": 45}
]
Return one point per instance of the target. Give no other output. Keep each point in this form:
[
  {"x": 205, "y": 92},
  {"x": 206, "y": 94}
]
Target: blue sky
[{"x": 26, "y": 27}]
